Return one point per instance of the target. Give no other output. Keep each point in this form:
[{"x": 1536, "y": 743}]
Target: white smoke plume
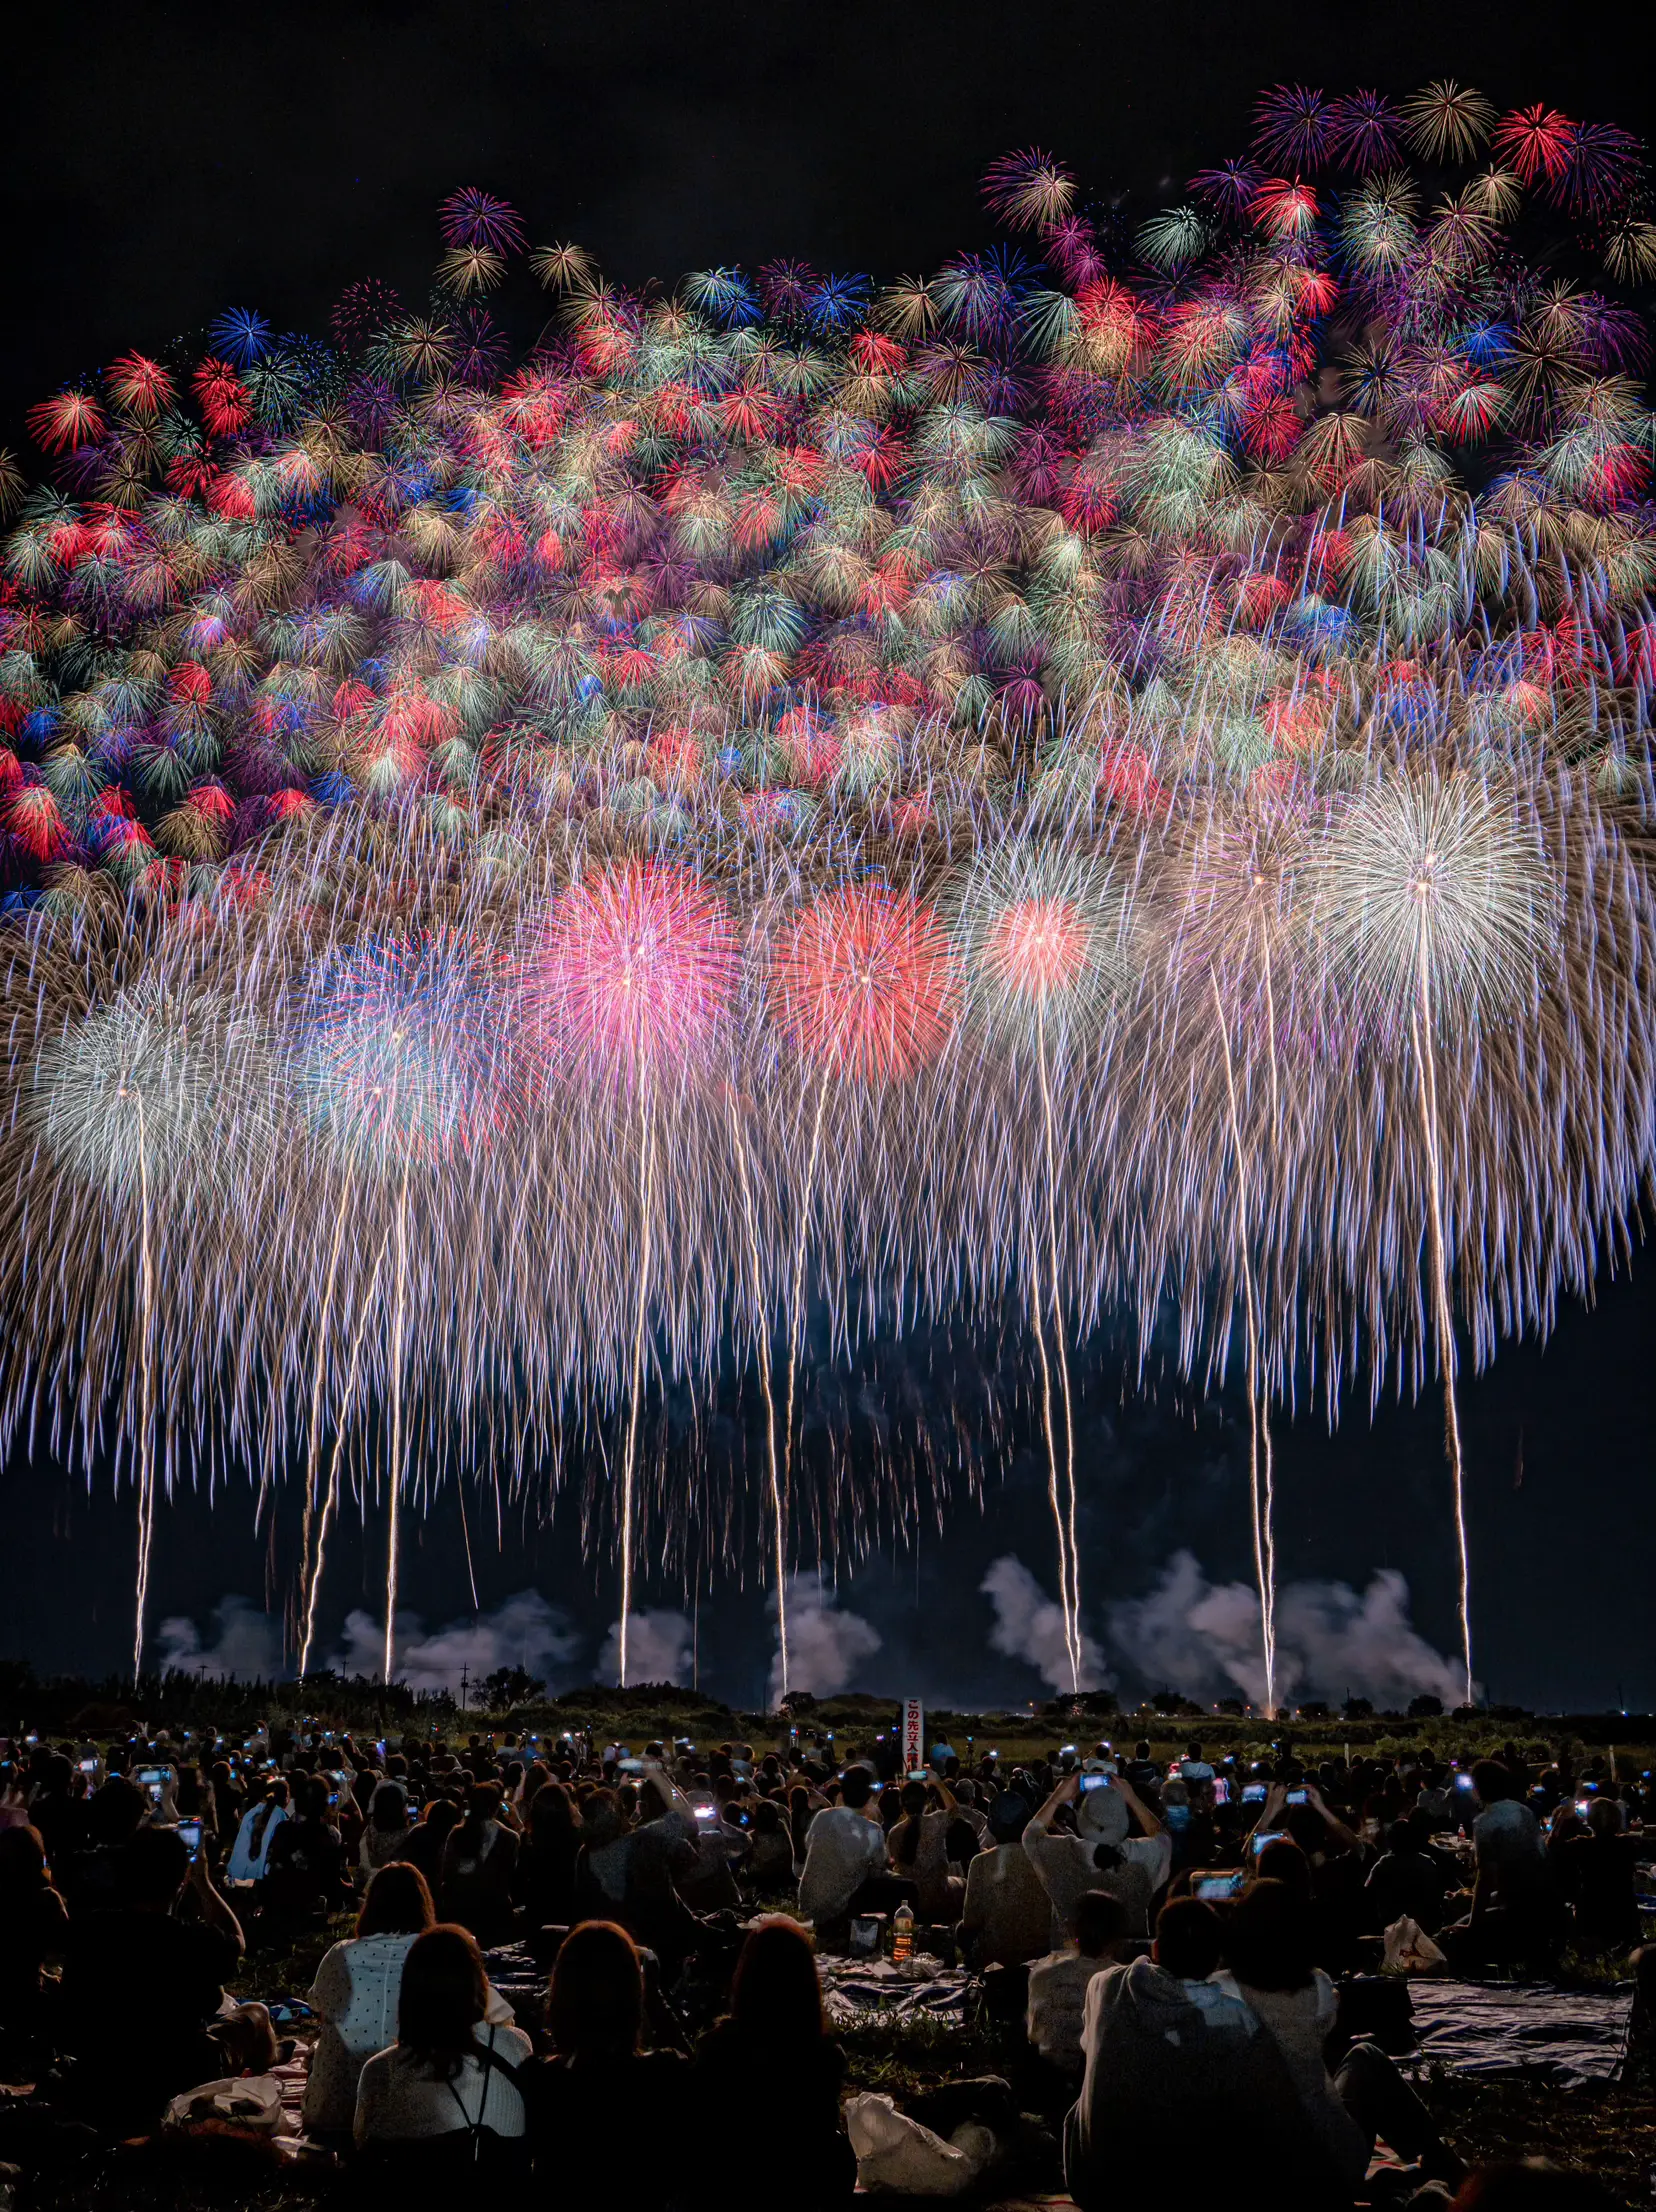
[
  {"x": 1202, "y": 1638},
  {"x": 660, "y": 1648},
  {"x": 825, "y": 1646},
  {"x": 525, "y": 1631},
  {"x": 1030, "y": 1626},
  {"x": 242, "y": 1641}
]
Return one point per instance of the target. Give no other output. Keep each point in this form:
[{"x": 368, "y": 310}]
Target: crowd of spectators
[{"x": 1174, "y": 1950}]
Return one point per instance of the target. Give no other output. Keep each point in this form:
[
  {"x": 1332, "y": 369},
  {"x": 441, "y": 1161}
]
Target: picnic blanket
[
  {"x": 1565, "y": 2036},
  {"x": 866, "y": 1989}
]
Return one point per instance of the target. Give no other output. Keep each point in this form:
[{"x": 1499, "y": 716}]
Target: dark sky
[{"x": 161, "y": 162}]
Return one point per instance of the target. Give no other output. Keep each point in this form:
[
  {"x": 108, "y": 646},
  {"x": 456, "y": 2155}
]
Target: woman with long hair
[
  {"x": 451, "y": 2074},
  {"x": 773, "y": 2060},
  {"x": 601, "y": 2084},
  {"x": 355, "y": 1993},
  {"x": 545, "y": 1886},
  {"x": 388, "y": 1827}
]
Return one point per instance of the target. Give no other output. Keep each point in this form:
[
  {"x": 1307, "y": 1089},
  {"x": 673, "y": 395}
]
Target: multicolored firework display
[{"x": 1114, "y": 773}]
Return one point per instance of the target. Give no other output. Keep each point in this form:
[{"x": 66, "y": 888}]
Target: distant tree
[
  {"x": 509, "y": 1686},
  {"x": 1313, "y": 1709},
  {"x": 1425, "y": 1707},
  {"x": 1359, "y": 1708},
  {"x": 1235, "y": 1707}
]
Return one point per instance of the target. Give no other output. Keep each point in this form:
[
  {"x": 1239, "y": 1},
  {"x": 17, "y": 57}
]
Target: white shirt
[
  {"x": 843, "y": 1848},
  {"x": 1067, "y": 1870},
  {"x": 1057, "y": 2005},
  {"x": 356, "y": 1990},
  {"x": 399, "y": 2102},
  {"x": 247, "y": 1857}
]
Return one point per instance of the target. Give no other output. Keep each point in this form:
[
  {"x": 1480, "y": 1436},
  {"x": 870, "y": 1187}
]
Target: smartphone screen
[
  {"x": 1094, "y": 1782},
  {"x": 1259, "y": 1842},
  {"x": 1213, "y": 1889},
  {"x": 190, "y": 1830},
  {"x": 1253, "y": 1793},
  {"x": 1221, "y": 1790},
  {"x": 1298, "y": 1797}
]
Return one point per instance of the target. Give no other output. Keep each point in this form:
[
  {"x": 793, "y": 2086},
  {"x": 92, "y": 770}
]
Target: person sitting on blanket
[
  {"x": 1269, "y": 1948},
  {"x": 1007, "y": 1919},
  {"x": 1059, "y": 1982},
  {"x": 1515, "y": 1912},
  {"x": 1176, "y": 2065},
  {"x": 452, "y": 2071},
  {"x": 143, "y": 2001},
  {"x": 773, "y": 2061},
  {"x": 591, "y": 2095}
]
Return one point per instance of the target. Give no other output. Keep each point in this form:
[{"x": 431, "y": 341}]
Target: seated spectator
[
  {"x": 1269, "y": 1946},
  {"x": 1407, "y": 1879},
  {"x": 143, "y": 1987},
  {"x": 1058, "y": 1983},
  {"x": 773, "y": 2060},
  {"x": 845, "y": 1848},
  {"x": 594, "y": 2091},
  {"x": 918, "y": 1848},
  {"x": 385, "y": 1837},
  {"x": 304, "y": 1864},
  {"x": 770, "y": 1861},
  {"x": 1100, "y": 1854},
  {"x": 1007, "y": 1918},
  {"x": 1514, "y": 1912},
  {"x": 451, "y": 2076},
  {"x": 356, "y": 1990},
  {"x": 1174, "y": 2058},
  {"x": 33, "y": 1924},
  {"x": 478, "y": 1865},
  {"x": 545, "y": 1872},
  {"x": 424, "y": 1846},
  {"x": 255, "y": 1833},
  {"x": 1599, "y": 1879}
]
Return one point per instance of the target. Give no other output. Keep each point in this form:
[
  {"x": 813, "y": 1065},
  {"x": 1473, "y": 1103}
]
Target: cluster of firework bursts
[{"x": 1113, "y": 773}]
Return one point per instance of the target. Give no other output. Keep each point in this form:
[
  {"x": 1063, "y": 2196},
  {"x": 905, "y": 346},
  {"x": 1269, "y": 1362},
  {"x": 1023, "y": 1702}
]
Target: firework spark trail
[
  {"x": 1442, "y": 1312},
  {"x": 146, "y": 1355},
  {"x": 313, "y": 1448},
  {"x": 1069, "y": 1556},
  {"x": 330, "y": 1497},
  {"x": 761, "y": 1328},
  {"x": 1260, "y": 1498},
  {"x": 635, "y": 1390},
  {"x": 796, "y": 1313},
  {"x": 396, "y": 1364}
]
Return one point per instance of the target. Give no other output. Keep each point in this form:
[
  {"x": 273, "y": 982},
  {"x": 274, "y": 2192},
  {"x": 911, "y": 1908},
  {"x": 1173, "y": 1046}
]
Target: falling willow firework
[{"x": 1113, "y": 774}]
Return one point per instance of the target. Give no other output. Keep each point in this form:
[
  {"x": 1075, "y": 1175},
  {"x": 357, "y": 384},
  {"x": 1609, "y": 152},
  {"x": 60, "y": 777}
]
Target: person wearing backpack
[{"x": 448, "y": 2085}]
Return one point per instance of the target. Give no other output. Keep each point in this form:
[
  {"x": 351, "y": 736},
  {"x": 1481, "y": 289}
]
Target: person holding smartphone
[
  {"x": 1117, "y": 1844},
  {"x": 143, "y": 1986}
]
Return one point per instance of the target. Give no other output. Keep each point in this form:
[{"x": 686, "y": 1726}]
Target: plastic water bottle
[{"x": 902, "y": 1935}]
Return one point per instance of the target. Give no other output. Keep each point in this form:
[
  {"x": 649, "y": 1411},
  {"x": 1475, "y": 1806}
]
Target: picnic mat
[
  {"x": 1565, "y": 2036},
  {"x": 870, "y": 1989}
]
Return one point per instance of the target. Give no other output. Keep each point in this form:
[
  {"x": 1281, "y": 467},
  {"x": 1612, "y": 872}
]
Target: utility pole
[{"x": 465, "y": 1677}]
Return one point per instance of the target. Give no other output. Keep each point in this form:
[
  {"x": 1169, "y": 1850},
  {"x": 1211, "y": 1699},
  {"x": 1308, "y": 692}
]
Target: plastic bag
[
  {"x": 245, "y": 2105},
  {"x": 897, "y": 2153},
  {"x": 1410, "y": 1950}
]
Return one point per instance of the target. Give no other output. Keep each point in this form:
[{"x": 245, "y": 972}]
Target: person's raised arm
[
  {"x": 1138, "y": 1810},
  {"x": 1066, "y": 1793},
  {"x": 215, "y": 1911},
  {"x": 1335, "y": 1825},
  {"x": 1276, "y": 1798}
]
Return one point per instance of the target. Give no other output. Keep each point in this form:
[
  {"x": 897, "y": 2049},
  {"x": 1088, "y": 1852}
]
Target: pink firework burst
[{"x": 635, "y": 972}]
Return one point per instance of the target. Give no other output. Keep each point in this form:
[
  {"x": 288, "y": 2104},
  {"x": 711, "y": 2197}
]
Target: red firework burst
[
  {"x": 865, "y": 981},
  {"x": 636, "y": 971}
]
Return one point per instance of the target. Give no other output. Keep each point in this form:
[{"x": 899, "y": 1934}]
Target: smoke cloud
[
  {"x": 825, "y": 1646},
  {"x": 1202, "y": 1638},
  {"x": 243, "y": 1641},
  {"x": 659, "y": 1648},
  {"x": 1030, "y": 1626},
  {"x": 525, "y": 1631}
]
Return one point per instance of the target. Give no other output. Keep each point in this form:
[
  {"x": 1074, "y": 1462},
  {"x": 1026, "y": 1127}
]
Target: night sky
[{"x": 160, "y": 163}]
